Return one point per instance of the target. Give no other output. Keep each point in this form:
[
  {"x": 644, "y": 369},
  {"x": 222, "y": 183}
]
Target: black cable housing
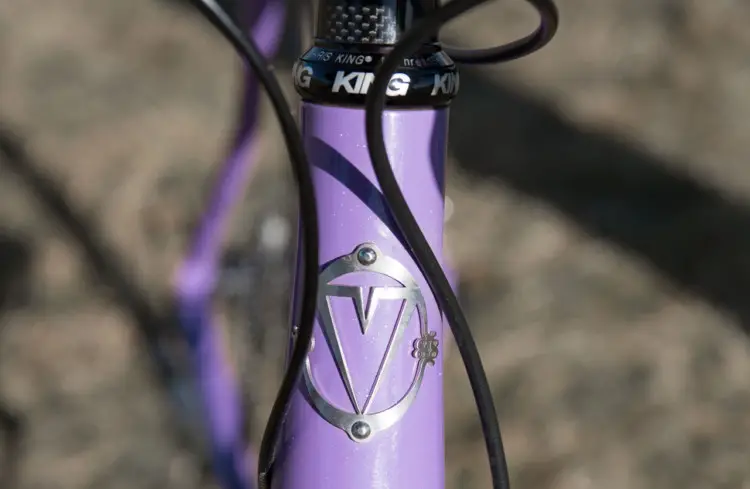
[
  {"x": 549, "y": 20},
  {"x": 309, "y": 226},
  {"x": 407, "y": 224}
]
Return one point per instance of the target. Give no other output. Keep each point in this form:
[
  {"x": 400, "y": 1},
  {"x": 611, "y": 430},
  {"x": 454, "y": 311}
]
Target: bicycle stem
[{"x": 369, "y": 409}]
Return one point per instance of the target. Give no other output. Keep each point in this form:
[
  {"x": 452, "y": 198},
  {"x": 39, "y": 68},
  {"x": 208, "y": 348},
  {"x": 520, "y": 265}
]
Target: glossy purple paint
[{"x": 313, "y": 453}]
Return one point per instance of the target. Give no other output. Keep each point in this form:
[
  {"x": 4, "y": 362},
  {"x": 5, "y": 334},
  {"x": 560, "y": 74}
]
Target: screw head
[
  {"x": 361, "y": 430},
  {"x": 367, "y": 256}
]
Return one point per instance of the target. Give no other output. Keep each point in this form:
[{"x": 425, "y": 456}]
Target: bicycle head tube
[
  {"x": 367, "y": 338},
  {"x": 369, "y": 411}
]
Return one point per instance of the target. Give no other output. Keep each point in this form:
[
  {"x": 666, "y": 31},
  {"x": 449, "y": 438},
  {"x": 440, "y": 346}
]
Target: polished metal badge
[{"x": 359, "y": 423}]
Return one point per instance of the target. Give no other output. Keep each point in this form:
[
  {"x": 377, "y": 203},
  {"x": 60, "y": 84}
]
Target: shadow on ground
[
  {"x": 15, "y": 263},
  {"x": 156, "y": 325},
  {"x": 691, "y": 233}
]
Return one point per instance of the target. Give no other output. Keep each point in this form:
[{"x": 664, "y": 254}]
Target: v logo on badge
[
  {"x": 366, "y": 300},
  {"x": 365, "y": 312}
]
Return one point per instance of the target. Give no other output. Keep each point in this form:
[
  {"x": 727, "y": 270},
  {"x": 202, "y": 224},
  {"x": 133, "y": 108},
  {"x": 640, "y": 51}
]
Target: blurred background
[{"x": 601, "y": 229}]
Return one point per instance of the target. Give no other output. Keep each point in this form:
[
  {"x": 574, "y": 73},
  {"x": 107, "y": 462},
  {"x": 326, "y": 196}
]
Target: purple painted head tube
[
  {"x": 196, "y": 278},
  {"x": 361, "y": 401},
  {"x": 369, "y": 410}
]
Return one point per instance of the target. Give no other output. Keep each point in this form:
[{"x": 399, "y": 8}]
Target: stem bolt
[
  {"x": 367, "y": 256},
  {"x": 360, "y": 430}
]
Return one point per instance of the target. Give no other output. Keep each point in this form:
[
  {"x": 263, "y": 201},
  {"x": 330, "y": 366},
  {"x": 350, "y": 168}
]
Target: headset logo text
[
  {"x": 445, "y": 84},
  {"x": 303, "y": 76},
  {"x": 358, "y": 83}
]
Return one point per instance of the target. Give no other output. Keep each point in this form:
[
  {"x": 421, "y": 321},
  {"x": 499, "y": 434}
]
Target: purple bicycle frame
[
  {"x": 353, "y": 218},
  {"x": 196, "y": 279},
  {"x": 369, "y": 410},
  {"x": 357, "y": 341}
]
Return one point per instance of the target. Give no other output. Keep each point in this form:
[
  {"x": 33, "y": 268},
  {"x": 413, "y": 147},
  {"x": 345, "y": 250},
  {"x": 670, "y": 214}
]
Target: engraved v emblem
[
  {"x": 361, "y": 424},
  {"x": 365, "y": 313}
]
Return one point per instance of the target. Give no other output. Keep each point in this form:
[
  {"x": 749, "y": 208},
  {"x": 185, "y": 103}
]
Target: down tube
[{"x": 369, "y": 409}]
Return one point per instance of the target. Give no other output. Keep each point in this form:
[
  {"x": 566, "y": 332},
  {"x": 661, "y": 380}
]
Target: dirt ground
[{"x": 600, "y": 192}]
